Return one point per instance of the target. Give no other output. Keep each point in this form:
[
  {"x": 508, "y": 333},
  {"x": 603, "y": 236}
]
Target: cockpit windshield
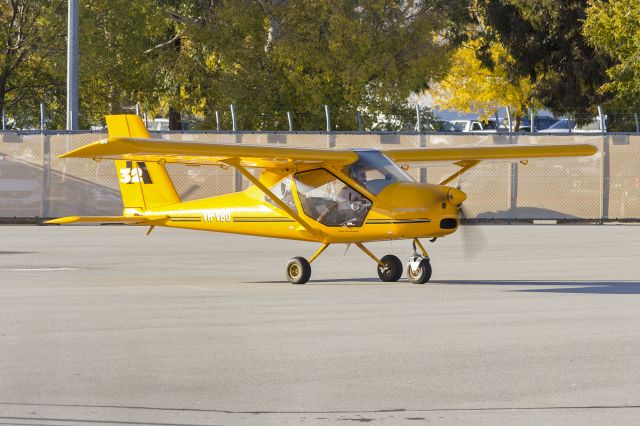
[{"x": 375, "y": 171}]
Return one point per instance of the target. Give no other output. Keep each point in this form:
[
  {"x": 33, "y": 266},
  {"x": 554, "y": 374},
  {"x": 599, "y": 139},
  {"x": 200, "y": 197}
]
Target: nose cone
[{"x": 455, "y": 196}]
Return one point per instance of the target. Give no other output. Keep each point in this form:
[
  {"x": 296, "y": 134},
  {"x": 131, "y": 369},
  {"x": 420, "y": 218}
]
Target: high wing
[
  {"x": 469, "y": 157},
  {"x": 139, "y": 149},
  {"x": 482, "y": 153},
  {"x": 264, "y": 156}
]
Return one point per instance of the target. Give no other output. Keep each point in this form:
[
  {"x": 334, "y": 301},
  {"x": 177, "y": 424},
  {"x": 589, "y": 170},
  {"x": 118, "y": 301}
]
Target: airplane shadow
[
  {"x": 336, "y": 281},
  {"x": 568, "y": 286}
]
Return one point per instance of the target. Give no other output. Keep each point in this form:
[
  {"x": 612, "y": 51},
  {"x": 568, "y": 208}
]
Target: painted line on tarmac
[{"x": 40, "y": 269}]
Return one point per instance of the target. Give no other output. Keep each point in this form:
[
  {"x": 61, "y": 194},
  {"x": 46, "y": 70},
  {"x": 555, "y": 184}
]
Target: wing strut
[
  {"x": 464, "y": 167},
  {"x": 236, "y": 163}
]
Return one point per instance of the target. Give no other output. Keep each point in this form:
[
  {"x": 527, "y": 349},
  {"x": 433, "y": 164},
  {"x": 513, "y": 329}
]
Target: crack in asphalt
[{"x": 381, "y": 411}]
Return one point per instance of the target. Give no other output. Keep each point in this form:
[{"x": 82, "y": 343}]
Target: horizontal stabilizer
[{"x": 132, "y": 220}]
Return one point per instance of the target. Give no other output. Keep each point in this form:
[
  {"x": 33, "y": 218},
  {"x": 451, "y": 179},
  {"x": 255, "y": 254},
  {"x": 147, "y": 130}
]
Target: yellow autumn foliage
[{"x": 473, "y": 88}]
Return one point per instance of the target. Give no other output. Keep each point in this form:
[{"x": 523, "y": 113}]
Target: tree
[
  {"x": 270, "y": 56},
  {"x": 471, "y": 86},
  {"x": 613, "y": 27},
  {"x": 545, "y": 39},
  {"x": 118, "y": 65},
  {"x": 31, "y": 41}
]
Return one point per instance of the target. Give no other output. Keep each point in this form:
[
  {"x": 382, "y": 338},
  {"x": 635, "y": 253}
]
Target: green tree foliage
[
  {"x": 31, "y": 58},
  {"x": 270, "y": 56},
  {"x": 613, "y": 27},
  {"x": 546, "y": 41},
  {"x": 118, "y": 63}
]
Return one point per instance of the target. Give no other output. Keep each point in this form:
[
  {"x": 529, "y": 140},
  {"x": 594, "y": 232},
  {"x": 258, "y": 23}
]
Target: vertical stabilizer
[{"x": 143, "y": 185}]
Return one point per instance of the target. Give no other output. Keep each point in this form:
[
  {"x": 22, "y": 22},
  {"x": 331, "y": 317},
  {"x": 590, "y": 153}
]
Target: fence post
[
  {"x": 233, "y": 118},
  {"x": 146, "y": 120},
  {"x": 331, "y": 139},
  {"x": 515, "y": 170},
  {"x": 635, "y": 115},
  {"x": 328, "y": 117},
  {"x": 427, "y": 122},
  {"x": 290, "y": 120},
  {"x": 532, "y": 113},
  {"x": 509, "y": 120},
  {"x": 46, "y": 176},
  {"x": 4, "y": 119},
  {"x": 138, "y": 109},
  {"x": 42, "y": 116},
  {"x": 238, "y": 175},
  {"x": 603, "y": 126},
  {"x": 606, "y": 179},
  {"x": 423, "y": 170},
  {"x": 218, "y": 120},
  {"x": 359, "y": 117},
  {"x": 418, "y": 121}
]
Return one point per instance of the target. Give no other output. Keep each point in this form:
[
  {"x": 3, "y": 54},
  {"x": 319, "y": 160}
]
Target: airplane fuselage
[{"x": 401, "y": 210}]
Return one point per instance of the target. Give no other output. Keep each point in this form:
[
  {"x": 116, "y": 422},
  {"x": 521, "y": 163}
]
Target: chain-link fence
[{"x": 36, "y": 184}]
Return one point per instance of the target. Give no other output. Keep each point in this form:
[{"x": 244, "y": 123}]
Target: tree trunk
[
  {"x": 175, "y": 118},
  {"x": 175, "y": 121}
]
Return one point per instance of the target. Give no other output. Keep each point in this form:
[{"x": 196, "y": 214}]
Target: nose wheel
[{"x": 419, "y": 269}]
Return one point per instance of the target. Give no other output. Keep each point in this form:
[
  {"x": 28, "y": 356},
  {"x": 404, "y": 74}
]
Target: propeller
[{"x": 473, "y": 239}]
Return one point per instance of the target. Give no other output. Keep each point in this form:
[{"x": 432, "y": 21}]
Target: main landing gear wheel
[
  {"x": 298, "y": 270},
  {"x": 392, "y": 270},
  {"x": 419, "y": 270}
]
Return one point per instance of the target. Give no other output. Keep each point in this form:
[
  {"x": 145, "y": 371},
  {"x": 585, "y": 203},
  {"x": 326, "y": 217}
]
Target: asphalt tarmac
[{"x": 102, "y": 325}]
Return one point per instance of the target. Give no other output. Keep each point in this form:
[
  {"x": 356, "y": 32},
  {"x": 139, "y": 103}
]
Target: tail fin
[{"x": 143, "y": 185}]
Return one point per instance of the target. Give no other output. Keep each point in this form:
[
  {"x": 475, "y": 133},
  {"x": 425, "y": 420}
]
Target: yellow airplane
[{"x": 327, "y": 196}]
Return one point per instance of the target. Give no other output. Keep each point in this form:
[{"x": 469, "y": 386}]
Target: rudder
[{"x": 143, "y": 185}]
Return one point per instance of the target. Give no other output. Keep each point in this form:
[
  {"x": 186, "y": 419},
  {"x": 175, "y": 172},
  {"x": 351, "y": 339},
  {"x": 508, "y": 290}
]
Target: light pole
[{"x": 72, "y": 66}]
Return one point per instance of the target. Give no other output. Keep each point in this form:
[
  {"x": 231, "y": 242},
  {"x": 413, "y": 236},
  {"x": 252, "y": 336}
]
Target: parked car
[
  {"x": 442, "y": 126},
  {"x": 567, "y": 125},
  {"x": 541, "y": 123},
  {"x": 488, "y": 126}
]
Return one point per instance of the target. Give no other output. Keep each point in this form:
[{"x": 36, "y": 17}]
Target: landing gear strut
[{"x": 389, "y": 266}]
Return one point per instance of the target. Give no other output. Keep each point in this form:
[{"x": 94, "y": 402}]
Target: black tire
[
  {"x": 392, "y": 270},
  {"x": 298, "y": 270},
  {"x": 422, "y": 274}
]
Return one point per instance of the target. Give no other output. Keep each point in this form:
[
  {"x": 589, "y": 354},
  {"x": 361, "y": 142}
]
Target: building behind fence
[{"x": 36, "y": 184}]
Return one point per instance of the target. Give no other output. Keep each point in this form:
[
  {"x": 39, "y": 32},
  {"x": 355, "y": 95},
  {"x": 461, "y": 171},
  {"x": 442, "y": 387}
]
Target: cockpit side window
[
  {"x": 329, "y": 200},
  {"x": 282, "y": 190}
]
